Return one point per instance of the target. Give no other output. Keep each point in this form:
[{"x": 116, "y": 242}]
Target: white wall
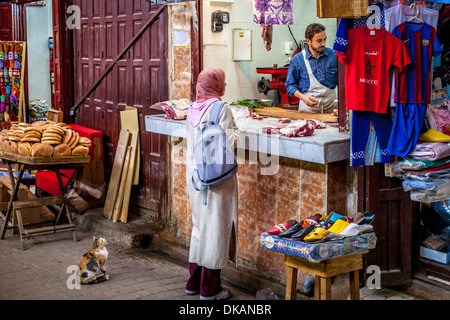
[
  {"x": 39, "y": 29},
  {"x": 242, "y": 78}
]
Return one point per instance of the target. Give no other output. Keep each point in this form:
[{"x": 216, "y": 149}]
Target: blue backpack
[{"x": 214, "y": 159}]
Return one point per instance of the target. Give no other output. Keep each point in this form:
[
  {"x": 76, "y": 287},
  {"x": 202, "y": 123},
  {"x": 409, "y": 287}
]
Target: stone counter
[
  {"x": 325, "y": 146},
  {"x": 311, "y": 175}
]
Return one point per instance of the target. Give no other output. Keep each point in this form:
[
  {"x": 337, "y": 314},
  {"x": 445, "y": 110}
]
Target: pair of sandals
[
  {"x": 340, "y": 227},
  {"x": 290, "y": 228},
  {"x": 321, "y": 228}
]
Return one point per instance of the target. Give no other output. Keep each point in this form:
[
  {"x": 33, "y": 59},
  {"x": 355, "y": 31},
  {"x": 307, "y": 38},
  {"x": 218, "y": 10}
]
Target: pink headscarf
[{"x": 210, "y": 87}]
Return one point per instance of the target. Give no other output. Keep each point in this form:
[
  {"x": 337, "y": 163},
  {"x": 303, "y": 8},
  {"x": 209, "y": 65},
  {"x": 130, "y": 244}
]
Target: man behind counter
[{"x": 312, "y": 75}]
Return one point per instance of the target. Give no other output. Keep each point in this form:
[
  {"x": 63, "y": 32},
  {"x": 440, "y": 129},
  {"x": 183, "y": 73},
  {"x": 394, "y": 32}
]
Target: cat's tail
[{"x": 96, "y": 279}]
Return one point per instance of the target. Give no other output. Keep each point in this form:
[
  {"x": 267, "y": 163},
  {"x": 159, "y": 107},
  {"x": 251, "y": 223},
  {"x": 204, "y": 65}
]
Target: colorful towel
[{"x": 431, "y": 151}]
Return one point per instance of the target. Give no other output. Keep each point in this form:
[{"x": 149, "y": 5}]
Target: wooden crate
[
  {"x": 55, "y": 115},
  {"x": 29, "y": 215},
  {"x": 342, "y": 8}
]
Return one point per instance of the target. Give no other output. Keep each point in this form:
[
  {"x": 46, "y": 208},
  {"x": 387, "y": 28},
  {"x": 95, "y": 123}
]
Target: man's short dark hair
[{"x": 312, "y": 29}]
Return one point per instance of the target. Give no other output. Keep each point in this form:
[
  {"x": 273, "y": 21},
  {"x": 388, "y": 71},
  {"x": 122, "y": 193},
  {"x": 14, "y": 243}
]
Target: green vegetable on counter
[{"x": 246, "y": 103}]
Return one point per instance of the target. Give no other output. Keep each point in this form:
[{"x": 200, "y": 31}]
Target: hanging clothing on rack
[
  {"x": 413, "y": 91},
  {"x": 382, "y": 124},
  {"x": 396, "y": 15},
  {"x": 422, "y": 44},
  {"x": 341, "y": 41},
  {"x": 369, "y": 55}
]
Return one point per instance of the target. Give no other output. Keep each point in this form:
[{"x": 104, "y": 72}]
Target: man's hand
[{"x": 310, "y": 101}]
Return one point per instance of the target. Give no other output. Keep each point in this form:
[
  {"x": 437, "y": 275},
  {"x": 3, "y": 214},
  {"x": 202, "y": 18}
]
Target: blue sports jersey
[{"x": 414, "y": 82}]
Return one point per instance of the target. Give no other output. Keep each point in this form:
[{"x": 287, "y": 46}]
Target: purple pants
[{"x": 204, "y": 279}]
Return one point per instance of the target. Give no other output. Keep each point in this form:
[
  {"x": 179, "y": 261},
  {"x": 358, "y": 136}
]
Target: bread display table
[
  {"x": 324, "y": 260},
  {"x": 29, "y": 163},
  {"x": 94, "y": 172}
]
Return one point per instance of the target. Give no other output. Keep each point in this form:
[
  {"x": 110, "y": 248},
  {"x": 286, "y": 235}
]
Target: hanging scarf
[{"x": 273, "y": 11}]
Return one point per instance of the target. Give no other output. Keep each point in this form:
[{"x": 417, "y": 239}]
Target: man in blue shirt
[{"x": 312, "y": 75}]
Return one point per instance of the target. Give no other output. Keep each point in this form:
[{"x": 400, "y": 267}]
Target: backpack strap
[
  {"x": 216, "y": 110},
  {"x": 203, "y": 188}
]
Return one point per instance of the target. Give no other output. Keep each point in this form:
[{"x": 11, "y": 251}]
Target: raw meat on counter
[
  {"x": 320, "y": 124},
  {"x": 174, "y": 109},
  {"x": 256, "y": 116},
  {"x": 299, "y": 128},
  {"x": 285, "y": 120},
  {"x": 240, "y": 111},
  {"x": 273, "y": 129}
]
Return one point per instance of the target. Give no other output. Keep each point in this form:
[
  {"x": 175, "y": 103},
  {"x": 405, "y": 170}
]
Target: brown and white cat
[{"x": 92, "y": 264}]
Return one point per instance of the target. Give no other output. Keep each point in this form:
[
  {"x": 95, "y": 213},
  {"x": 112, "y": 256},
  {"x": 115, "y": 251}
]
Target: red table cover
[{"x": 47, "y": 180}]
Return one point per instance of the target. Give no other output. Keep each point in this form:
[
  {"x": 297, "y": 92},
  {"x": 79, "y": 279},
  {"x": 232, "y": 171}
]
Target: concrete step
[{"x": 137, "y": 233}]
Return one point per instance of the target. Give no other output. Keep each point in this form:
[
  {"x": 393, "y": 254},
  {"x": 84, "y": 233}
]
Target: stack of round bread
[
  {"x": 52, "y": 135},
  {"x": 43, "y": 139},
  {"x": 82, "y": 149}
]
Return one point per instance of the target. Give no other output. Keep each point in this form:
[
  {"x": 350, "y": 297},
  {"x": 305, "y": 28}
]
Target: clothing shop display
[
  {"x": 413, "y": 89},
  {"x": 409, "y": 91},
  {"x": 369, "y": 55},
  {"x": 397, "y": 15}
]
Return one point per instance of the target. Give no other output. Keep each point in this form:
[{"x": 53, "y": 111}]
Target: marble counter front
[{"x": 325, "y": 146}]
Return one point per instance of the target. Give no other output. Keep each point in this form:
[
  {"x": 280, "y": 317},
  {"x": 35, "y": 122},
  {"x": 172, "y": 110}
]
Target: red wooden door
[
  {"x": 395, "y": 215},
  {"x": 6, "y": 32},
  {"x": 138, "y": 79},
  {"x": 62, "y": 98}
]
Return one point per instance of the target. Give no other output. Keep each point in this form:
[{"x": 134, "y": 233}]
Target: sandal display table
[
  {"x": 324, "y": 260},
  {"x": 323, "y": 272},
  {"x": 18, "y": 206}
]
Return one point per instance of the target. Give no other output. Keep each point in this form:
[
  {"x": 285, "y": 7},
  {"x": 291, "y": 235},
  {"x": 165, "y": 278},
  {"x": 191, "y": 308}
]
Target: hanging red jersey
[
  {"x": 413, "y": 83},
  {"x": 369, "y": 55}
]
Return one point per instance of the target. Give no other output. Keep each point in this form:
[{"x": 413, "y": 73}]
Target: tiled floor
[{"x": 384, "y": 294}]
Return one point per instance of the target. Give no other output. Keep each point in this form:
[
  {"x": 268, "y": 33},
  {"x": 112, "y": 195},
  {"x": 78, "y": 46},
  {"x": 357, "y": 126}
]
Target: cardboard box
[{"x": 441, "y": 257}]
